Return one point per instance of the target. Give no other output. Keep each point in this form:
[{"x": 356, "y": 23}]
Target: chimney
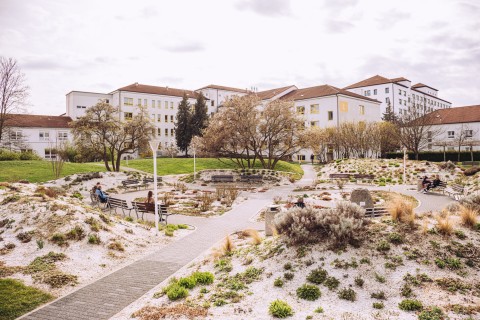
[
  {"x": 166, "y": 87},
  {"x": 136, "y": 84}
]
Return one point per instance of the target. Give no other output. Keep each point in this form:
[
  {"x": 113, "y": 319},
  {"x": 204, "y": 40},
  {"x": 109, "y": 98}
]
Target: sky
[{"x": 102, "y": 45}]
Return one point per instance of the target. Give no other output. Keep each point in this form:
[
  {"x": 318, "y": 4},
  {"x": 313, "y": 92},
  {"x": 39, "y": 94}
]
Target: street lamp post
[
  {"x": 154, "y": 146},
  {"x": 404, "y": 164}
]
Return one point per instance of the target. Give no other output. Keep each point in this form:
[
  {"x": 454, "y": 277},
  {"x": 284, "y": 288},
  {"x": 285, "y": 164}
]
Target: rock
[{"x": 362, "y": 197}]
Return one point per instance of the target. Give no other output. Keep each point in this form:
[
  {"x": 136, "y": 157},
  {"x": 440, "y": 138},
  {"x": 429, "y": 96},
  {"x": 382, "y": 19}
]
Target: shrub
[
  {"x": 287, "y": 266},
  {"x": 341, "y": 224},
  {"x": 58, "y": 279},
  {"x": 378, "y": 305},
  {"x": 444, "y": 226},
  {"x": 331, "y": 283},
  {"x": 94, "y": 224},
  {"x": 347, "y": 294},
  {"x": 432, "y": 313},
  {"x": 379, "y": 278},
  {"x": 468, "y": 217},
  {"x": 280, "y": 309},
  {"x": 116, "y": 245},
  {"x": 410, "y": 305},
  {"x": 25, "y": 237},
  {"x": 383, "y": 246},
  {"x": 59, "y": 239},
  {"x": 406, "y": 291},
  {"x": 395, "y": 238},
  {"x": 471, "y": 171},
  {"x": 187, "y": 282},
  {"x": 472, "y": 201},
  {"x": 94, "y": 238},
  {"x": 401, "y": 211},
  {"x": 278, "y": 282},
  {"x": 359, "y": 281},
  {"x": 8, "y": 199},
  {"x": 318, "y": 310},
  {"x": 176, "y": 292},
  {"x": 288, "y": 275},
  {"x": 317, "y": 276},
  {"x": 203, "y": 277},
  {"x": 378, "y": 295},
  {"x": 40, "y": 244},
  {"x": 308, "y": 292},
  {"x": 77, "y": 233}
]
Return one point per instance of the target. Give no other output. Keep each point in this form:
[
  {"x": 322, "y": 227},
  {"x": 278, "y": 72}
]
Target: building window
[
  {"x": 171, "y": 105},
  {"x": 374, "y": 92},
  {"x": 314, "y": 109},
  {"x": 171, "y": 132},
  {"x": 387, "y": 100},
  {"x": 159, "y": 118},
  {"x": 367, "y": 93},
  {"x": 300, "y": 109},
  {"x": 107, "y": 101},
  {"x": 400, "y": 91},
  {"x": 16, "y": 135},
  {"x": 62, "y": 136},
  {"x": 213, "y": 103},
  {"x": 166, "y": 104},
  {"x": 145, "y": 102},
  {"x": 451, "y": 134},
  {"x": 387, "y": 90},
  {"x": 50, "y": 153},
  {"x": 159, "y": 132},
  {"x": 330, "y": 115},
  {"x": 166, "y": 132},
  {"x": 44, "y": 135},
  {"x": 313, "y": 123},
  {"x": 153, "y": 103},
  {"x": 81, "y": 107},
  {"x": 128, "y": 115},
  {"x": 400, "y": 100},
  {"x": 128, "y": 101},
  {"x": 361, "y": 110},
  {"x": 404, "y": 93},
  {"x": 159, "y": 104},
  {"x": 468, "y": 133},
  {"x": 300, "y": 157},
  {"x": 429, "y": 136},
  {"x": 343, "y": 106},
  {"x": 404, "y": 102},
  {"x": 139, "y": 102}
]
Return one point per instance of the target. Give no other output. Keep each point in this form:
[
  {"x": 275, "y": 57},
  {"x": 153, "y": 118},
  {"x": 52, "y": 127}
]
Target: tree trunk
[
  {"x": 117, "y": 167},
  {"x": 105, "y": 159}
]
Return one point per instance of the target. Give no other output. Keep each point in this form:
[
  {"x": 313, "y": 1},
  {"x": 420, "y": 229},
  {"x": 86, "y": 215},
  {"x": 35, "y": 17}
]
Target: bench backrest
[
  {"x": 458, "y": 188},
  {"x": 149, "y": 207},
  {"x": 376, "y": 212},
  {"x": 228, "y": 178},
  {"x": 117, "y": 202},
  {"x": 340, "y": 175},
  {"x": 364, "y": 176}
]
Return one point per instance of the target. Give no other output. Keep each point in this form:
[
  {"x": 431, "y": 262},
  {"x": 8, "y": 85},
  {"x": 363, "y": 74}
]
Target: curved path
[{"x": 109, "y": 295}]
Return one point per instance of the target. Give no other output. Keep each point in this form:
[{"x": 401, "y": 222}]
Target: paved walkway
[{"x": 110, "y": 294}]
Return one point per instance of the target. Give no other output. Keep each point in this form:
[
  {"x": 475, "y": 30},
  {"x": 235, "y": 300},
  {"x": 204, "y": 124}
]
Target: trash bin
[{"x": 272, "y": 210}]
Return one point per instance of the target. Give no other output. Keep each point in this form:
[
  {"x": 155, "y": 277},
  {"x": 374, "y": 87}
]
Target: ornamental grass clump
[
  {"x": 468, "y": 217},
  {"x": 401, "y": 211},
  {"x": 341, "y": 225},
  {"x": 308, "y": 292},
  {"x": 280, "y": 309}
]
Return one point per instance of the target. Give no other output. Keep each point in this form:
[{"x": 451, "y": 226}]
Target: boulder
[{"x": 362, "y": 197}]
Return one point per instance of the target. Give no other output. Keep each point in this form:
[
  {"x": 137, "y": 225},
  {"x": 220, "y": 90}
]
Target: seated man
[
  {"x": 425, "y": 184},
  {"x": 101, "y": 195},
  {"x": 300, "y": 203},
  {"x": 435, "y": 183}
]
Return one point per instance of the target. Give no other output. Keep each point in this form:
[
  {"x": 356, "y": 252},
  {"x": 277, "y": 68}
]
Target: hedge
[{"x": 437, "y": 156}]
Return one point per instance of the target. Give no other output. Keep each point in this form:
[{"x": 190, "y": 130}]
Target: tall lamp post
[
  {"x": 404, "y": 164},
  {"x": 154, "y": 146}
]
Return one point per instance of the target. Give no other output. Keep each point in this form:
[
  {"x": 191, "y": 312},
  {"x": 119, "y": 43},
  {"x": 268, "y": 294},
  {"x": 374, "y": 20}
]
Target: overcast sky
[{"x": 99, "y": 45}]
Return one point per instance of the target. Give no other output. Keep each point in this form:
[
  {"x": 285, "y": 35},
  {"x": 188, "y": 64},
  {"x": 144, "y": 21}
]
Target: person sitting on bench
[
  {"x": 300, "y": 203},
  {"x": 435, "y": 183},
  {"x": 425, "y": 184},
  {"x": 101, "y": 195}
]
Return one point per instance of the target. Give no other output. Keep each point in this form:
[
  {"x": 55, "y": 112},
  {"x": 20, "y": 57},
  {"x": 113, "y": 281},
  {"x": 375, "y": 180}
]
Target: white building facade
[
  {"x": 37, "y": 133},
  {"x": 399, "y": 94}
]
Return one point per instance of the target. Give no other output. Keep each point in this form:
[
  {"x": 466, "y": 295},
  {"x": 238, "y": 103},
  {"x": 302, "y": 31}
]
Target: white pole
[
  {"x": 154, "y": 147},
  {"x": 404, "y": 164},
  {"x": 194, "y": 165}
]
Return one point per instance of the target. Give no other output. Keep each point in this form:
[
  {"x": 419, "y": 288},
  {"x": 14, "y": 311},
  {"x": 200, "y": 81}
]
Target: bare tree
[
  {"x": 13, "y": 90},
  {"x": 416, "y": 129},
  {"x": 101, "y": 129},
  {"x": 463, "y": 138}
]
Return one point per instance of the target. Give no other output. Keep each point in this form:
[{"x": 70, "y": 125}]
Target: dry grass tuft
[
  {"x": 228, "y": 245},
  {"x": 468, "y": 216},
  {"x": 174, "y": 312},
  {"x": 444, "y": 225},
  {"x": 401, "y": 211},
  {"x": 254, "y": 234},
  {"x": 425, "y": 227}
]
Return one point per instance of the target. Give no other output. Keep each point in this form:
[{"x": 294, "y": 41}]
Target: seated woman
[
  {"x": 150, "y": 202},
  {"x": 101, "y": 195},
  {"x": 435, "y": 183},
  {"x": 300, "y": 203},
  {"x": 425, "y": 184}
]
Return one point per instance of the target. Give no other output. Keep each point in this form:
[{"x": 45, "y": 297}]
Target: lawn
[
  {"x": 17, "y": 299},
  {"x": 41, "y": 171},
  {"x": 185, "y": 165}
]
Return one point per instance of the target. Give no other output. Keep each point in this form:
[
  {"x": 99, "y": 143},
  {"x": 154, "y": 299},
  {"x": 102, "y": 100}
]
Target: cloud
[
  {"x": 338, "y": 26},
  {"x": 390, "y": 18},
  {"x": 185, "y": 48},
  {"x": 43, "y": 63},
  {"x": 166, "y": 81},
  {"x": 266, "y": 8},
  {"x": 338, "y": 6}
]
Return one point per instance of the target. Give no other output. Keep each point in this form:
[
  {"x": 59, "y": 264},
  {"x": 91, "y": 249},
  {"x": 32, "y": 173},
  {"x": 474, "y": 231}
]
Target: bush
[
  {"x": 278, "y": 282},
  {"x": 472, "y": 201},
  {"x": 468, "y": 217},
  {"x": 280, "y": 309},
  {"x": 308, "y": 292},
  {"x": 77, "y": 233},
  {"x": 187, "y": 282},
  {"x": 378, "y": 305},
  {"x": 395, "y": 238},
  {"x": 342, "y": 224},
  {"x": 401, "y": 211},
  {"x": 25, "y": 237},
  {"x": 359, "y": 281},
  {"x": 176, "y": 292},
  {"x": 59, "y": 239},
  {"x": 378, "y": 295},
  {"x": 410, "y": 305},
  {"x": 116, "y": 245},
  {"x": 317, "y": 276},
  {"x": 203, "y": 278},
  {"x": 383, "y": 246},
  {"x": 432, "y": 313},
  {"x": 287, "y": 266},
  {"x": 347, "y": 294},
  {"x": 331, "y": 283},
  {"x": 471, "y": 171},
  {"x": 94, "y": 239},
  {"x": 6, "y": 155},
  {"x": 436, "y": 156},
  {"x": 288, "y": 275}
]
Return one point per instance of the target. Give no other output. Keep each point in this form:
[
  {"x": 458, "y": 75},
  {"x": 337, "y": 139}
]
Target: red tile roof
[
  {"x": 166, "y": 91},
  {"x": 214, "y": 86},
  {"x": 421, "y": 85},
  {"x": 376, "y": 80},
  {"x": 37, "y": 121},
  {"x": 268, "y": 94},
  {"x": 322, "y": 91},
  {"x": 455, "y": 115}
]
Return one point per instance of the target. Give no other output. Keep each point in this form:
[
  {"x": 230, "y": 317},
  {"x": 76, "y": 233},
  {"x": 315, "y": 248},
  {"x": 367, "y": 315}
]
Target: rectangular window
[
  {"x": 44, "y": 135},
  {"x": 213, "y": 103},
  {"x": 343, "y": 106},
  {"x": 400, "y": 100},
  {"x": 387, "y": 90},
  {"x": 171, "y": 118},
  {"x": 139, "y": 102},
  {"x": 300, "y": 109},
  {"x": 400, "y": 91},
  {"x": 153, "y": 103},
  {"x": 330, "y": 115},
  {"x": 404, "y": 93},
  {"x": 313, "y": 123},
  {"x": 367, "y": 93},
  {"x": 128, "y": 115},
  {"x": 374, "y": 92},
  {"x": 314, "y": 109},
  {"x": 81, "y": 107},
  {"x": 387, "y": 100},
  {"x": 404, "y": 102},
  {"x": 361, "y": 110},
  {"x": 159, "y": 104},
  {"x": 62, "y": 136},
  {"x": 166, "y": 132},
  {"x": 159, "y": 118},
  {"x": 128, "y": 101},
  {"x": 171, "y": 105},
  {"x": 50, "y": 153},
  {"x": 171, "y": 132},
  {"x": 145, "y": 102},
  {"x": 16, "y": 135},
  {"x": 159, "y": 132},
  {"x": 166, "y": 104},
  {"x": 468, "y": 133},
  {"x": 300, "y": 157},
  {"x": 166, "y": 118},
  {"x": 429, "y": 136},
  {"x": 451, "y": 134}
]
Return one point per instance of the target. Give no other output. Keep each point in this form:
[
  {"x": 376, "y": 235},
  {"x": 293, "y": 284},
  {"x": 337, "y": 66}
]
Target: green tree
[
  {"x": 389, "y": 115},
  {"x": 183, "y": 126},
  {"x": 200, "y": 116}
]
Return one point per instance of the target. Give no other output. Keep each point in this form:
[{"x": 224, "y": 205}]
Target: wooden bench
[
  {"x": 341, "y": 176},
  {"x": 222, "y": 178},
  {"x": 147, "y": 181},
  {"x": 360, "y": 176},
  {"x": 142, "y": 208},
  {"x": 455, "y": 191},
  {"x": 114, "y": 203},
  {"x": 375, "y": 212},
  {"x": 471, "y": 163},
  {"x": 440, "y": 188},
  {"x": 131, "y": 184},
  {"x": 251, "y": 178}
]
